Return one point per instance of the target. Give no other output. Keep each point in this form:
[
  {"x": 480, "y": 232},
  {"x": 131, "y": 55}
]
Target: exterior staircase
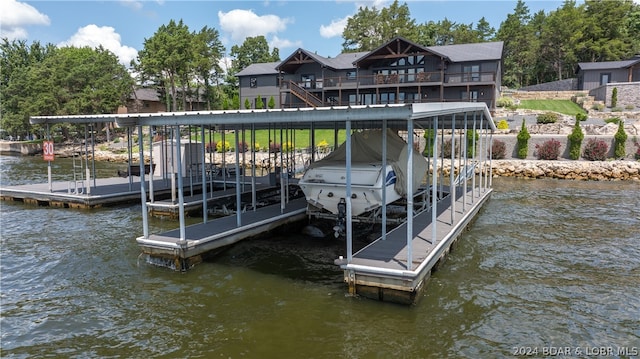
[{"x": 304, "y": 95}]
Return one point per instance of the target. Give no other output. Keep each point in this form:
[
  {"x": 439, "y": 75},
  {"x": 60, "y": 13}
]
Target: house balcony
[{"x": 395, "y": 80}]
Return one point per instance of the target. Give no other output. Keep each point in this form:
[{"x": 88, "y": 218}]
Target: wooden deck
[
  {"x": 218, "y": 233},
  {"x": 380, "y": 269}
]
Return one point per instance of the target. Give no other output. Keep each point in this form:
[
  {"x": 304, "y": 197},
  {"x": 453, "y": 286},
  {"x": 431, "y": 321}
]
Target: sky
[{"x": 122, "y": 26}]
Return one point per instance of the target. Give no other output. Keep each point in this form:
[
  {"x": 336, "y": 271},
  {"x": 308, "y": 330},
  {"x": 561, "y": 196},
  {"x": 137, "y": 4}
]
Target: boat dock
[{"x": 394, "y": 267}]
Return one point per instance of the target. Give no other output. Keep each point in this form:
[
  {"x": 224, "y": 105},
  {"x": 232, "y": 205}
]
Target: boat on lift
[{"x": 324, "y": 183}]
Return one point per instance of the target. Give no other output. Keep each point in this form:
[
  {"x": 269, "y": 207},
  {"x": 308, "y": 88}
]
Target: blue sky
[{"x": 122, "y": 25}]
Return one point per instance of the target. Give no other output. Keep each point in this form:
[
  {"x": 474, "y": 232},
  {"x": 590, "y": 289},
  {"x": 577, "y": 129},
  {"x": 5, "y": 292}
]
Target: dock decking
[
  {"x": 380, "y": 269},
  {"x": 201, "y": 238}
]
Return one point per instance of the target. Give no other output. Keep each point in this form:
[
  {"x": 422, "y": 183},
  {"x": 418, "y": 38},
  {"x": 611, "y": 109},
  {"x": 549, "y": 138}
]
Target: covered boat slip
[{"x": 394, "y": 265}]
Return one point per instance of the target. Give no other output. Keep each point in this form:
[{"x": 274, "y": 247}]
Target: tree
[
  {"x": 523, "y": 141},
  {"x": 369, "y": 28},
  {"x": 519, "y": 51},
  {"x": 575, "y": 140},
  {"x": 167, "y": 54},
  {"x": 620, "y": 139},
  {"x": 560, "y": 36},
  {"x": 208, "y": 50},
  {"x": 61, "y": 81}
]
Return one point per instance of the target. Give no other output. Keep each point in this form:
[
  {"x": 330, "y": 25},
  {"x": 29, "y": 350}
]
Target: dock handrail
[{"x": 465, "y": 174}]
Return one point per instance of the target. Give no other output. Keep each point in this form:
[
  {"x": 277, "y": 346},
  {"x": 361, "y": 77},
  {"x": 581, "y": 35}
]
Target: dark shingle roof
[
  {"x": 264, "y": 68},
  {"x": 470, "y": 52},
  {"x": 605, "y": 65}
]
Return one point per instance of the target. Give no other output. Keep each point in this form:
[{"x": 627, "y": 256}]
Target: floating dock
[{"x": 394, "y": 267}]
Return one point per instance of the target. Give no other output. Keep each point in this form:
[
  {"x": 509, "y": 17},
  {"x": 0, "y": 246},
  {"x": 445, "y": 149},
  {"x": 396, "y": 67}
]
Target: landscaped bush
[
  {"x": 575, "y": 141},
  {"x": 503, "y": 125},
  {"x": 616, "y": 109},
  {"x": 597, "y": 106},
  {"x": 223, "y": 146},
  {"x": 446, "y": 151},
  {"x": 629, "y": 107},
  {"x": 505, "y": 102},
  {"x": 429, "y": 136},
  {"x": 612, "y": 120},
  {"x": 523, "y": 141},
  {"x": 549, "y": 150},
  {"x": 620, "y": 139},
  {"x": 210, "y": 147},
  {"x": 614, "y": 97},
  {"x": 635, "y": 143},
  {"x": 547, "y": 117},
  {"x": 243, "y": 146},
  {"x": 581, "y": 116},
  {"x": 595, "y": 150},
  {"x": 274, "y": 147},
  {"x": 472, "y": 140},
  {"x": 498, "y": 150}
]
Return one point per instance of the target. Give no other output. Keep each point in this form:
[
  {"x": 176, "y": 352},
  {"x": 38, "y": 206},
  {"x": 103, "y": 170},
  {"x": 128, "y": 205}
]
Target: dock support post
[
  {"x": 348, "y": 193},
  {"x": 452, "y": 186},
  {"x": 384, "y": 181},
  {"x": 481, "y": 155},
  {"x": 151, "y": 166},
  {"x": 409, "y": 193},
  {"x": 238, "y": 188},
  {"x": 473, "y": 158},
  {"x": 180, "y": 188},
  {"x": 434, "y": 184},
  {"x": 203, "y": 177},
  {"x": 143, "y": 191},
  {"x": 466, "y": 163}
]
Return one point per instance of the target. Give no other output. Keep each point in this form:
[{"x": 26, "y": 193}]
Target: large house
[{"x": 399, "y": 71}]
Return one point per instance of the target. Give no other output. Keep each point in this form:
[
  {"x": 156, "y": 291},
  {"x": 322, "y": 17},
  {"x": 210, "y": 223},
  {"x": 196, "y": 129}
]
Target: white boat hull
[{"x": 325, "y": 186}]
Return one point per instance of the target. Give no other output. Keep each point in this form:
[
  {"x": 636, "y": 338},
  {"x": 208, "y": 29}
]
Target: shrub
[
  {"x": 523, "y": 141},
  {"x": 498, "y": 150},
  {"x": 272, "y": 103},
  {"x": 620, "y": 139},
  {"x": 430, "y": 136},
  {"x": 222, "y": 146},
  {"x": 597, "y": 106},
  {"x": 549, "y": 150},
  {"x": 446, "y": 151},
  {"x": 581, "y": 116},
  {"x": 210, "y": 147},
  {"x": 547, "y": 117},
  {"x": 575, "y": 141},
  {"x": 635, "y": 143},
  {"x": 274, "y": 147},
  {"x": 247, "y": 104},
  {"x": 595, "y": 150},
  {"x": 243, "y": 146},
  {"x": 472, "y": 138},
  {"x": 629, "y": 107},
  {"x": 616, "y": 109},
  {"x": 505, "y": 102},
  {"x": 503, "y": 125},
  {"x": 259, "y": 102},
  {"x": 614, "y": 97},
  {"x": 612, "y": 120}
]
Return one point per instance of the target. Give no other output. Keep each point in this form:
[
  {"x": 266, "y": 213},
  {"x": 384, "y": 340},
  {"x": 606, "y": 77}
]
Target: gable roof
[
  {"x": 607, "y": 65},
  {"x": 264, "y": 68},
  {"x": 479, "y": 51}
]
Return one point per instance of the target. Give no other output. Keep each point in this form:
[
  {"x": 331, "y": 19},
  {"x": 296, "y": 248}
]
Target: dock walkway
[
  {"x": 380, "y": 269},
  {"x": 201, "y": 238}
]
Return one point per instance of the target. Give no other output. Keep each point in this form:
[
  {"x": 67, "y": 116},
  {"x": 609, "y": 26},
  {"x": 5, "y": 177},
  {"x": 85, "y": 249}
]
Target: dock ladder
[{"x": 77, "y": 185}]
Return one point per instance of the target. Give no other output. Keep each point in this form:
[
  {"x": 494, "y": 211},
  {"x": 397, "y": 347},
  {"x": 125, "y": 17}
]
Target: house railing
[{"x": 393, "y": 79}]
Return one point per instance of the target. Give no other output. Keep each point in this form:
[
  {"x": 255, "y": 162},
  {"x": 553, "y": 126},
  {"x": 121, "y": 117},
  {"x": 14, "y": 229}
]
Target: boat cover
[{"x": 366, "y": 147}]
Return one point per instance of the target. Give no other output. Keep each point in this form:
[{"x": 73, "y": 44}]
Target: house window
[
  {"x": 308, "y": 81},
  {"x": 253, "y": 82},
  {"x": 605, "y": 78},
  {"x": 351, "y": 75},
  {"x": 471, "y": 96},
  {"x": 471, "y": 73}
]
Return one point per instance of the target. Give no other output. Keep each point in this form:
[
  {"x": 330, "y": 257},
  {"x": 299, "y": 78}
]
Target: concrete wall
[{"x": 19, "y": 148}]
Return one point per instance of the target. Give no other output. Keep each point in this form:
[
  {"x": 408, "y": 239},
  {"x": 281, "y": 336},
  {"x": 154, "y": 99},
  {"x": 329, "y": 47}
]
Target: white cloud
[
  {"x": 245, "y": 23},
  {"x": 132, "y": 4},
  {"x": 283, "y": 43},
  {"x": 94, "y": 36},
  {"x": 15, "y": 16},
  {"x": 335, "y": 28}
]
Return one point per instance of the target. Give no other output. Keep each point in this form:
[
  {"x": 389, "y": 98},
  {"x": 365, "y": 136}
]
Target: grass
[
  {"x": 263, "y": 137},
  {"x": 565, "y": 107}
]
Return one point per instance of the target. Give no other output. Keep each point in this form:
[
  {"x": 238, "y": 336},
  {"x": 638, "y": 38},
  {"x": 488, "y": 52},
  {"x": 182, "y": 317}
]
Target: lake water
[{"x": 547, "y": 265}]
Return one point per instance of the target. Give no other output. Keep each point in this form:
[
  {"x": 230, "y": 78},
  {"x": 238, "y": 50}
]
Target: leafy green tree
[
  {"x": 259, "y": 102},
  {"x": 519, "y": 48},
  {"x": 247, "y": 104},
  {"x": 168, "y": 55},
  {"x": 369, "y": 28},
  {"x": 61, "y": 81},
  {"x": 561, "y": 35},
  {"x": 614, "y": 97},
  {"x": 208, "y": 51},
  {"x": 272, "y": 103},
  {"x": 606, "y": 35}
]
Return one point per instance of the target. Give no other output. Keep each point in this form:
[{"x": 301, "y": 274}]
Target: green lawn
[
  {"x": 566, "y": 107},
  {"x": 262, "y": 138}
]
